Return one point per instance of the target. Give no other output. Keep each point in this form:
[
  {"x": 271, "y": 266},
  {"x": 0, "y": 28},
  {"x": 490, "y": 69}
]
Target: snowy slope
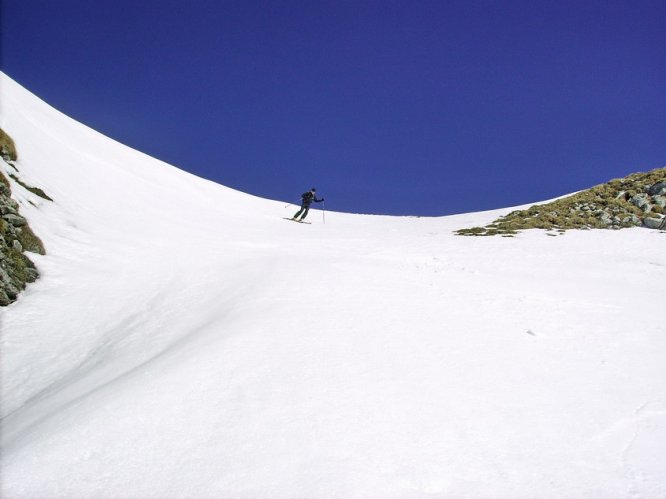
[{"x": 185, "y": 341}]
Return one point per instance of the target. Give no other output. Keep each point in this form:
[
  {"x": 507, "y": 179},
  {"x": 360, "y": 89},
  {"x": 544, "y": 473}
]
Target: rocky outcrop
[
  {"x": 16, "y": 237},
  {"x": 7, "y": 147},
  {"x": 633, "y": 201}
]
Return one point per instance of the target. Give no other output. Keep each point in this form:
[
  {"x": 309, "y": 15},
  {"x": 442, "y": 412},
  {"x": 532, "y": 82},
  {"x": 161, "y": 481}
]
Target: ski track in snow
[{"x": 183, "y": 341}]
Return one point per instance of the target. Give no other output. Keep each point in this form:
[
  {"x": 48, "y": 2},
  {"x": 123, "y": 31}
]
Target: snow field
[{"x": 184, "y": 341}]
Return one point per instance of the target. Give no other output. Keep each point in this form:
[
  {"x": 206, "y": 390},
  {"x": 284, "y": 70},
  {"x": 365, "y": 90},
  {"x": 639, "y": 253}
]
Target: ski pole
[{"x": 323, "y": 211}]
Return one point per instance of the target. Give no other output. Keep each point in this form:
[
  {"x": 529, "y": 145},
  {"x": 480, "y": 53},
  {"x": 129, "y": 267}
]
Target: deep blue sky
[{"x": 410, "y": 107}]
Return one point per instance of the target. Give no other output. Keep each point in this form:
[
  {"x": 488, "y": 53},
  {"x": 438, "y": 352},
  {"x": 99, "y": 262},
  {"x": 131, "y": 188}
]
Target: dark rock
[
  {"x": 15, "y": 220},
  {"x": 631, "y": 220},
  {"x": 31, "y": 274},
  {"x": 605, "y": 218},
  {"x": 658, "y": 189},
  {"x": 641, "y": 201},
  {"x": 654, "y": 223},
  {"x": 4, "y": 299},
  {"x": 7, "y": 210}
]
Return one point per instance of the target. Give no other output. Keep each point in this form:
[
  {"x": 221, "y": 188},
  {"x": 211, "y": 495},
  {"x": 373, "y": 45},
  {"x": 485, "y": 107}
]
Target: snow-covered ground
[{"x": 186, "y": 341}]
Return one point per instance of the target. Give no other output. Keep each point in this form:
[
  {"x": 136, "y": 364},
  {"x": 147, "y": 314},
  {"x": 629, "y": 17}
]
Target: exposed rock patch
[
  {"x": 16, "y": 237},
  {"x": 633, "y": 201}
]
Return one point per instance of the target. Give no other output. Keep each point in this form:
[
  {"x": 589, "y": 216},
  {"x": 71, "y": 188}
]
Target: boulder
[
  {"x": 659, "y": 200},
  {"x": 31, "y": 274},
  {"x": 5, "y": 209},
  {"x": 605, "y": 218},
  {"x": 631, "y": 220},
  {"x": 654, "y": 223},
  {"x": 658, "y": 189},
  {"x": 4, "y": 299},
  {"x": 641, "y": 201},
  {"x": 15, "y": 220}
]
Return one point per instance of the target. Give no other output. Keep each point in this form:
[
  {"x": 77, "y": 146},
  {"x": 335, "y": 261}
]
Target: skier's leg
[
  {"x": 298, "y": 212},
  {"x": 305, "y": 213}
]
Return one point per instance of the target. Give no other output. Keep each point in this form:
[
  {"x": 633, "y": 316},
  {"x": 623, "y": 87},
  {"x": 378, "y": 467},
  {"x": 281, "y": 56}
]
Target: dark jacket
[{"x": 308, "y": 197}]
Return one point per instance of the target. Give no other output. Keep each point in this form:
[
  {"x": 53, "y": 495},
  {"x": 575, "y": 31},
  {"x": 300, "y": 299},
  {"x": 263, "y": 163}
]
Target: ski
[{"x": 297, "y": 221}]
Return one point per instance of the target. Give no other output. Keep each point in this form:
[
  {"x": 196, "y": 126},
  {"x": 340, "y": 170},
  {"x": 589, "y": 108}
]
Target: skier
[{"x": 306, "y": 200}]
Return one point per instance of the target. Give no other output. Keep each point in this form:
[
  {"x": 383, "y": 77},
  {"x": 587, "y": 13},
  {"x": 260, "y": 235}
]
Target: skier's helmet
[{"x": 313, "y": 189}]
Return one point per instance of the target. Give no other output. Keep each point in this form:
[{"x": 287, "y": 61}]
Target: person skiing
[{"x": 306, "y": 200}]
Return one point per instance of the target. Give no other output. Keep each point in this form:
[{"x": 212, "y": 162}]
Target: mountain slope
[{"x": 185, "y": 341}]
